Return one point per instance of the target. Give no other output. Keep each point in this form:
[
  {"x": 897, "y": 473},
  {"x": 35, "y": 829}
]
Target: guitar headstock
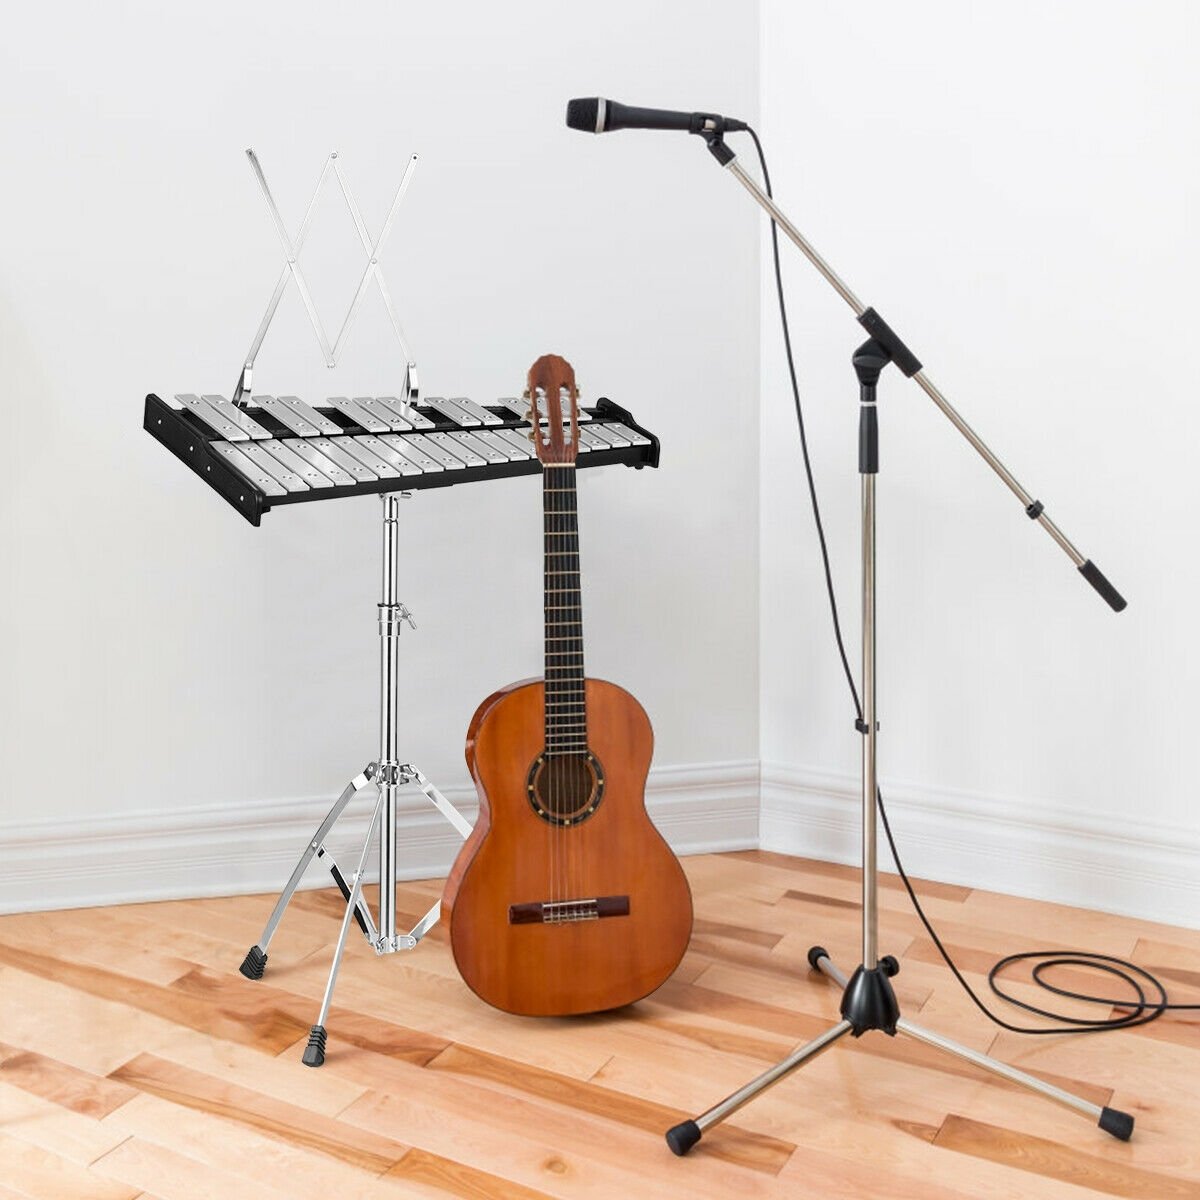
[{"x": 552, "y": 393}]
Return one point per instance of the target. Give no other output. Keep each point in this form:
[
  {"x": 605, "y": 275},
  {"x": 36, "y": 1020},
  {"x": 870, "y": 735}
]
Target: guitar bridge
[{"x": 560, "y": 912}]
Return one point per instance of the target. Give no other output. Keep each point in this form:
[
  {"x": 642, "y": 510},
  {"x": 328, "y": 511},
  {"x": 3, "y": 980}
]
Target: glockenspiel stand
[{"x": 387, "y": 775}]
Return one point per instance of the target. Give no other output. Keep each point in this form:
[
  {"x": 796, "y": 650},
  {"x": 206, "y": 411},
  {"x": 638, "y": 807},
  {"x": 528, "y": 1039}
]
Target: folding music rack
[{"x": 260, "y": 452}]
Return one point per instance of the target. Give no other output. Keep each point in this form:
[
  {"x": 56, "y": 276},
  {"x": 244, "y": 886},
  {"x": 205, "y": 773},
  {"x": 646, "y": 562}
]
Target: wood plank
[
  {"x": 80, "y": 1091},
  {"x": 288, "y": 1123},
  {"x": 39, "y": 1173},
  {"x": 229, "y": 1146},
  {"x": 136, "y": 1165},
  {"x": 449, "y": 1178},
  {"x": 737, "y": 1145},
  {"x": 1052, "y": 1160},
  {"x": 476, "y": 1103}
]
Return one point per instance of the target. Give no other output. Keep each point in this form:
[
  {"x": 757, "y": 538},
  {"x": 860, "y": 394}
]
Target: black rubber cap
[
  {"x": 682, "y": 1137},
  {"x": 314, "y": 1052},
  {"x": 1095, "y": 577},
  {"x": 889, "y": 965},
  {"x": 815, "y": 955},
  {"x": 254, "y": 964},
  {"x": 1116, "y": 1122}
]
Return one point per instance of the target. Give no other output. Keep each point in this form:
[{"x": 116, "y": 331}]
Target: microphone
[{"x": 594, "y": 114}]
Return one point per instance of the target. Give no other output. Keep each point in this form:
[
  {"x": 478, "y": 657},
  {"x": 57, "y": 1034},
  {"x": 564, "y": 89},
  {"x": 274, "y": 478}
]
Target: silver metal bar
[
  {"x": 394, "y": 458},
  {"x": 870, "y": 884},
  {"x": 517, "y": 405},
  {"x": 634, "y": 438},
  {"x": 926, "y": 384},
  {"x": 608, "y": 434},
  {"x": 797, "y": 1058},
  {"x": 995, "y": 1067},
  {"x": 283, "y": 475},
  {"x": 251, "y": 472},
  {"x": 452, "y": 412},
  {"x": 502, "y": 448},
  {"x": 359, "y": 415},
  {"x": 476, "y": 410},
  {"x": 341, "y": 458},
  {"x": 229, "y": 430},
  {"x": 431, "y": 449},
  {"x": 241, "y": 419},
  {"x": 298, "y": 465},
  {"x": 422, "y": 461},
  {"x": 475, "y": 446},
  {"x": 323, "y": 463},
  {"x": 357, "y": 447},
  {"x": 319, "y": 420},
  {"x": 516, "y": 441},
  {"x": 406, "y": 410},
  {"x": 351, "y": 905},
  {"x": 285, "y": 414},
  {"x": 391, "y": 406},
  {"x": 589, "y": 441},
  {"x": 351, "y": 789},
  {"x": 382, "y": 412},
  {"x": 448, "y": 442},
  {"x": 292, "y": 253}
]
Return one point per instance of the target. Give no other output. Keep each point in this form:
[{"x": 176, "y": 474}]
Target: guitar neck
[{"x": 566, "y": 711}]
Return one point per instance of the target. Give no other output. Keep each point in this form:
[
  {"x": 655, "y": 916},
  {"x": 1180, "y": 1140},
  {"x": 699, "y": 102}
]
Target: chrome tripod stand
[
  {"x": 387, "y": 775},
  {"x": 868, "y": 1001}
]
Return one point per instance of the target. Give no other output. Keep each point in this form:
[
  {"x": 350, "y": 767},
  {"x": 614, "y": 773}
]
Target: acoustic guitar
[{"x": 565, "y": 899}]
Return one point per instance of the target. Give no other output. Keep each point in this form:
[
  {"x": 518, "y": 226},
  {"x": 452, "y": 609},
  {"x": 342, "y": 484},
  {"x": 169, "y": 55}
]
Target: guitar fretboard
[{"x": 566, "y": 710}]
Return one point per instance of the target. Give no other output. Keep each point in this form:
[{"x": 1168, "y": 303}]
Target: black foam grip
[
  {"x": 883, "y": 333},
  {"x": 682, "y": 1137},
  {"x": 1095, "y": 577},
  {"x": 1116, "y": 1122}
]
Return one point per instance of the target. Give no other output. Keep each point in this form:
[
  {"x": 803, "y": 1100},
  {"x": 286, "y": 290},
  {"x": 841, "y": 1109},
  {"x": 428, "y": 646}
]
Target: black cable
[{"x": 1140, "y": 1011}]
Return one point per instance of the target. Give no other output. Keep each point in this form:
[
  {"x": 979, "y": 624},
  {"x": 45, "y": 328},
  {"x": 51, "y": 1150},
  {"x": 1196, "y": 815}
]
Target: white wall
[
  {"x": 1009, "y": 184},
  {"x": 172, "y": 672}
]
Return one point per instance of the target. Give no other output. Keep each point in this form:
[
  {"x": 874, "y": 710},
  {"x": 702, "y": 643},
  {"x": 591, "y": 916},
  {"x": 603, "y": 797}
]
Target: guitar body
[{"x": 620, "y": 909}]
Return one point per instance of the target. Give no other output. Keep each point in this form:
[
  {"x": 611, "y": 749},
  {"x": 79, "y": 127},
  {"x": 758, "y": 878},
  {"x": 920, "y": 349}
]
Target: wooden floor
[{"x": 135, "y": 1061}]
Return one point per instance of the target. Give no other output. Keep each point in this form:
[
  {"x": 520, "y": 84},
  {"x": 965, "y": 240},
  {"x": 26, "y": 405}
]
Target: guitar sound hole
[{"x": 565, "y": 789}]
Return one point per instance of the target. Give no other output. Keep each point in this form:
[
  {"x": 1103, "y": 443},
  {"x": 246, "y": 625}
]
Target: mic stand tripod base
[
  {"x": 868, "y": 1001},
  {"x": 686, "y": 1134}
]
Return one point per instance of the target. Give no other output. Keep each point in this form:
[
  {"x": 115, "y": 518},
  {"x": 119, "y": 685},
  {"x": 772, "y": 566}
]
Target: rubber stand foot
[
  {"x": 314, "y": 1052},
  {"x": 682, "y": 1137},
  {"x": 254, "y": 964},
  {"x": 815, "y": 955},
  {"x": 1116, "y": 1122}
]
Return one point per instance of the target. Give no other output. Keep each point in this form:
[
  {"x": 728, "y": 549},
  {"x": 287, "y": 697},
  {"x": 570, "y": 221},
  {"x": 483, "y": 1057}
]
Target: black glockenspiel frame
[{"x": 189, "y": 438}]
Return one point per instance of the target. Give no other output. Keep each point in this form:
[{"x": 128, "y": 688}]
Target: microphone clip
[{"x": 715, "y": 140}]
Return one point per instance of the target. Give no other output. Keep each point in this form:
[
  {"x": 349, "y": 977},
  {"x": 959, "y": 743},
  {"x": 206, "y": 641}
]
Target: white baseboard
[
  {"x": 232, "y": 849},
  {"x": 1132, "y": 867}
]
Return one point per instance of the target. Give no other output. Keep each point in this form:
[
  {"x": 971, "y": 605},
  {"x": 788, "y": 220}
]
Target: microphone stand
[{"x": 868, "y": 999}]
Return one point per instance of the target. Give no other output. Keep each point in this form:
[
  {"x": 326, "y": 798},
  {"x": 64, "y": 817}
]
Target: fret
[{"x": 565, "y": 702}]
